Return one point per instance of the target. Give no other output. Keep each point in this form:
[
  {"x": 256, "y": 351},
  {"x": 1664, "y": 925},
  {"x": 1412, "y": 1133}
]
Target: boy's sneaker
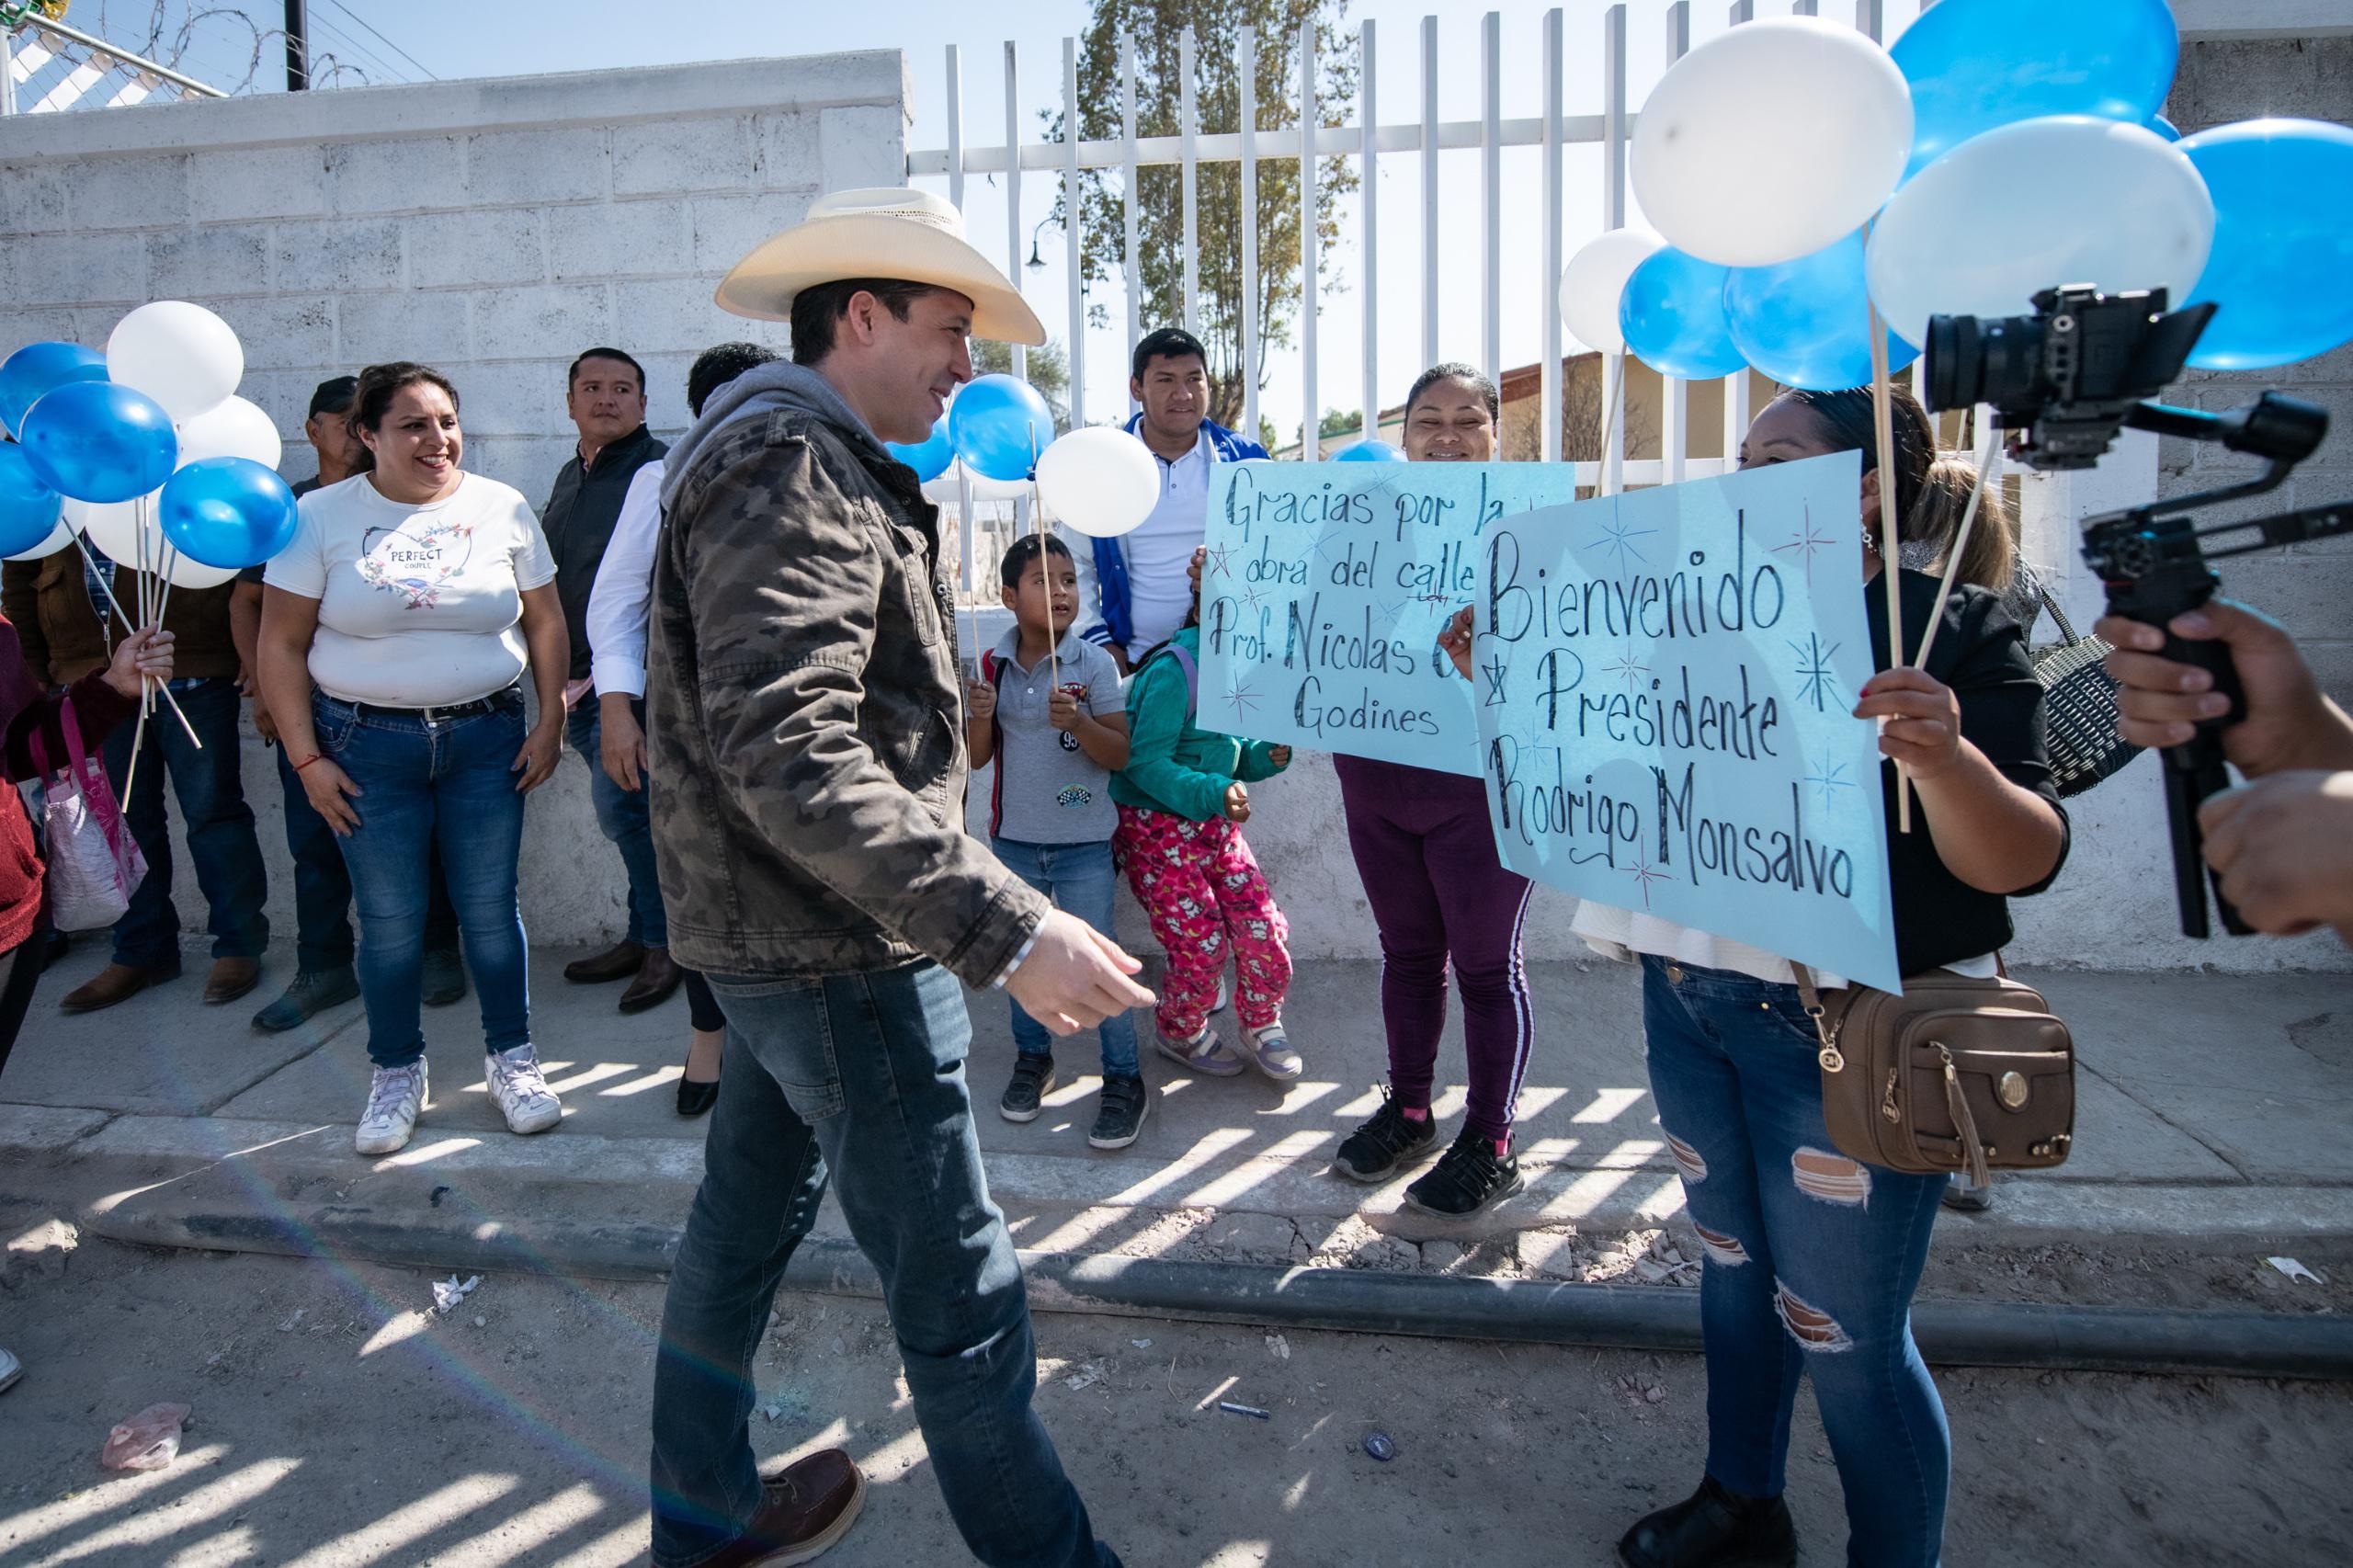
[
  {"x": 395, "y": 1099},
  {"x": 1374, "y": 1151},
  {"x": 1467, "y": 1178},
  {"x": 1269, "y": 1052},
  {"x": 1127, "y": 1101},
  {"x": 1202, "y": 1053},
  {"x": 1032, "y": 1076},
  {"x": 521, "y": 1090}
]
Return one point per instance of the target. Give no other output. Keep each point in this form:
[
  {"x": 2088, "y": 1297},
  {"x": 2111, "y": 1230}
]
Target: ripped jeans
[{"x": 1811, "y": 1261}]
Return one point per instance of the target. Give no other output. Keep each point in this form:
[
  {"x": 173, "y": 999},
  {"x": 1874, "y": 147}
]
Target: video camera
[{"x": 2071, "y": 375}]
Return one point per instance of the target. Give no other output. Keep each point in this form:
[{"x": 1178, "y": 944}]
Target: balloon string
[
  {"x": 1884, "y": 429},
  {"x": 1045, "y": 572},
  {"x": 1989, "y": 469},
  {"x": 129, "y": 625}
]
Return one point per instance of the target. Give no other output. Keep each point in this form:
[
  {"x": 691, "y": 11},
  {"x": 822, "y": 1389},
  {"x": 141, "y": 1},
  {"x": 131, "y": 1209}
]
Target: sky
[{"x": 468, "y": 37}]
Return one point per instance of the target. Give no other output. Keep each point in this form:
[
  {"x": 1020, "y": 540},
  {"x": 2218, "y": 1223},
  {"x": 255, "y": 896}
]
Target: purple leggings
[{"x": 1426, "y": 856}]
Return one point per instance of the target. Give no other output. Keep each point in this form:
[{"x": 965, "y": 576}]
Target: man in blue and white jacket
[{"x": 1133, "y": 591}]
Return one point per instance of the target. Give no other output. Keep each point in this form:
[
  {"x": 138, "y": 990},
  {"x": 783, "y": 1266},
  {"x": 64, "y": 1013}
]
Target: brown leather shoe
[
  {"x": 230, "y": 978},
  {"x": 616, "y": 963},
  {"x": 804, "y": 1510},
  {"x": 117, "y": 983},
  {"x": 658, "y": 977}
]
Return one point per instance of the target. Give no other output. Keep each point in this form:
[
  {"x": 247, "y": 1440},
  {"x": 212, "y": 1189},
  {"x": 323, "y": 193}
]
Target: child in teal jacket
[{"x": 1183, "y": 799}]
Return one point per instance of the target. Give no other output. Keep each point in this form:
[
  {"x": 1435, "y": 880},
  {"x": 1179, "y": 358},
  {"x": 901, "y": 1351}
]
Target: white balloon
[
  {"x": 112, "y": 528},
  {"x": 188, "y": 572},
  {"x": 1101, "y": 481},
  {"x": 233, "y": 428},
  {"x": 59, "y": 538},
  {"x": 1595, "y": 278},
  {"x": 181, "y": 355},
  {"x": 2064, "y": 198},
  {"x": 1771, "y": 140}
]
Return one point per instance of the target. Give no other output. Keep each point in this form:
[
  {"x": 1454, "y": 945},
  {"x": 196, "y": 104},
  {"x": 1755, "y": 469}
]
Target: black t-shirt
[
  {"x": 1981, "y": 653},
  {"x": 301, "y": 487}
]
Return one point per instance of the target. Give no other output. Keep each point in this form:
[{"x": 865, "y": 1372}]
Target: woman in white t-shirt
[{"x": 395, "y": 631}]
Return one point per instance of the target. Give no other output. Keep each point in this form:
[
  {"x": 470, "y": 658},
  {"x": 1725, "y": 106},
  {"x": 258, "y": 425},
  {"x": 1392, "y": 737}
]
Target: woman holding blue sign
[
  {"x": 1812, "y": 1256},
  {"x": 1442, "y": 899}
]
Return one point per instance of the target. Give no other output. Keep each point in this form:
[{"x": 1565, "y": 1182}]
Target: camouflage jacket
[{"x": 804, "y": 729}]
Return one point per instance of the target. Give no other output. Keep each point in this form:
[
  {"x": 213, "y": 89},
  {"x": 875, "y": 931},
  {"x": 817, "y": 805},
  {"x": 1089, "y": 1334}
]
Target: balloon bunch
[
  {"x": 1792, "y": 170},
  {"x": 146, "y": 452}
]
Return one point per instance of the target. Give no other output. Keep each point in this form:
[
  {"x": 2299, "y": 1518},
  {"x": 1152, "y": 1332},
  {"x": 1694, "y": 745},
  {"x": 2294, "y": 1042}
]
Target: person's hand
[
  {"x": 980, "y": 699},
  {"x": 1062, "y": 710},
  {"x": 1279, "y": 755},
  {"x": 246, "y": 684},
  {"x": 2283, "y": 846},
  {"x": 621, "y": 743},
  {"x": 1923, "y": 728},
  {"x": 331, "y": 791},
  {"x": 144, "y": 655},
  {"x": 1455, "y": 641},
  {"x": 1193, "y": 567},
  {"x": 2289, "y": 723},
  {"x": 1237, "y": 801},
  {"x": 264, "y": 721},
  {"x": 1075, "y": 976},
  {"x": 536, "y": 762}
]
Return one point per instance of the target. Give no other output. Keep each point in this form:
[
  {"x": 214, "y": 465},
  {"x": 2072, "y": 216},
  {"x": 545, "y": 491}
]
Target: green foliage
[
  {"x": 1155, "y": 25},
  {"x": 1046, "y": 369}
]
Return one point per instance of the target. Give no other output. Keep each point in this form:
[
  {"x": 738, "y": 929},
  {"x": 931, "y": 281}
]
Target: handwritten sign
[
  {"x": 1325, "y": 588},
  {"x": 1665, "y": 683}
]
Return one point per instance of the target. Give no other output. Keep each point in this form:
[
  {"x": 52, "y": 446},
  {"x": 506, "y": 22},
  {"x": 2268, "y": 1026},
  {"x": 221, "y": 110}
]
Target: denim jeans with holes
[
  {"x": 861, "y": 1076},
  {"x": 1811, "y": 1260}
]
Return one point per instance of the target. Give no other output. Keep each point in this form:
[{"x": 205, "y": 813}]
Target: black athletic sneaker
[
  {"x": 1126, "y": 1102},
  {"x": 1466, "y": 1178},
  {"x": 1374, "y": 1152},
  {"x": 1032, "y": 1076}
]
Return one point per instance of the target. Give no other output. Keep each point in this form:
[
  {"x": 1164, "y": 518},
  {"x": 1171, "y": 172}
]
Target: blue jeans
[
  {"x": 220, "y": 841},
  {"x": 1811, "y": 1261},
  {"x": 1080, "y": 879},
  {"x": 621, "y": 816},
  {"x": 445, "y": 785},
  {"x": 861, "y": 1074},
  {"x": 322, "y": 887}
]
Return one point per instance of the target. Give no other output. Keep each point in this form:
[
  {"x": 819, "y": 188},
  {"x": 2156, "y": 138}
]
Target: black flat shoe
[
  {"x": 1713, "y": 1529},
  {"x": 696, "y": 1098}
]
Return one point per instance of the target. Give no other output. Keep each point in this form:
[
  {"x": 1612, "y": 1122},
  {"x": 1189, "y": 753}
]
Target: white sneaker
[
  {"x": 521, "y": 1090},
  {"x": 1270, "y": 1051},
  {"x": 10, "y": 1369},
  {"x": 395, "y": 1098}
]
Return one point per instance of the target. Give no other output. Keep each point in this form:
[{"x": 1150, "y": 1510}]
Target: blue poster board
[
  {"x": 1666, "y": 682},
  {"x": 1325, "y": 588}
]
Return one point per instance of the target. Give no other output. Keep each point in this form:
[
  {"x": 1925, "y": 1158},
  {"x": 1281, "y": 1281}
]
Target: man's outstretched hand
[{"x": 1075, "y": 977}]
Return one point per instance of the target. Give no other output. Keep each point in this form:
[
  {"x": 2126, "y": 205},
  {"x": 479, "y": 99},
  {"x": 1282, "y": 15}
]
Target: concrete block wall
[{"x": 490, "y": 228}]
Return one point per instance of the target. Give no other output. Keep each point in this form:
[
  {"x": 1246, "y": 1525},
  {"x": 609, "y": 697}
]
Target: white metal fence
[
  {"x": 47, "y": 67},
  {"x": 1551, "y": 127}
]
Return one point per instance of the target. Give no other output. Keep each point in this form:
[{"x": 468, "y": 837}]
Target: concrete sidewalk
[{"x": 2212, "y": 1116}]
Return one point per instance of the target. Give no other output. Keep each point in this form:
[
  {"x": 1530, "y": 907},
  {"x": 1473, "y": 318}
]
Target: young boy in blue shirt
[{"x": 1057, "y": 729}]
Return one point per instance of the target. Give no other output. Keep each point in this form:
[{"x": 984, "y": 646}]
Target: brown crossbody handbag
[{"x": 1953, "y": 1074}]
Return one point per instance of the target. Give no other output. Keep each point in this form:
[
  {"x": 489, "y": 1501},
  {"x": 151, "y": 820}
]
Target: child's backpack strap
[{"x": 1184, "y": 657}]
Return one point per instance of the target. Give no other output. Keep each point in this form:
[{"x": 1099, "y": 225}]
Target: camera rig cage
[{"x": 2069, "y": 377}]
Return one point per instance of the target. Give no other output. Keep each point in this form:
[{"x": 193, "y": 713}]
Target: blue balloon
[
  {"x": 998, "y": 425},
  {"x": 1807, "y": 323},
  {"x": 2164, "y": 126},
  {"x": 1369, "y": 452},
  {"x": 1672, "y": 315},
  {"x": 28, "y": 508},
  {"x": 227, "y": 512},
  {"x": 38, "y": 367},
  {"x": 930, "y": 457},
  {"x": 99, "y": 441},
  {"x": 2283, "y": 240},
  {"x": 1975, "y": 65}
]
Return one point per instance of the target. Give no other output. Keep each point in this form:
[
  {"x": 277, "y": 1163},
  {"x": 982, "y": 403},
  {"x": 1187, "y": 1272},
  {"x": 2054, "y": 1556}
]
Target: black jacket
[{"x": 578, "y": 521}]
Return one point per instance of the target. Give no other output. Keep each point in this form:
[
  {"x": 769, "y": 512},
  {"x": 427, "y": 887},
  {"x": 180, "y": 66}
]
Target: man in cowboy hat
[{"x": 805, "y": 752}]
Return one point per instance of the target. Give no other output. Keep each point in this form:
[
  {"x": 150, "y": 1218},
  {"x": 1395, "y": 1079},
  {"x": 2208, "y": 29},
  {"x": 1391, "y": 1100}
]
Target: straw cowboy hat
[{"x": 889, "y": 232}]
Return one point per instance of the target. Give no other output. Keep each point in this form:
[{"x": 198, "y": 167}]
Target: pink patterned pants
[{"x": 1201, "y": 888}]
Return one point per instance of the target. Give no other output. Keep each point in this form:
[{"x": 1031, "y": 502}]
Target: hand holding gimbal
[{"x": 2070, "y": 376}]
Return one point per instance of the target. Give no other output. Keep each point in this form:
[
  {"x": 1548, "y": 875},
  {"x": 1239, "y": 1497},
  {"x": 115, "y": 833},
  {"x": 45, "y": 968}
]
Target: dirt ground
[{"x": 338, "y": 1422}]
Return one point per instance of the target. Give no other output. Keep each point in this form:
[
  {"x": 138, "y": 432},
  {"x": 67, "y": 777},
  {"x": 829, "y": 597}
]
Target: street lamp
[{"x": 1037, "y": 263}]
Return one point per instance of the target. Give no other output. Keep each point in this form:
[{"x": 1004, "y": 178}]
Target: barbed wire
[{"x": 327, "y": 68}]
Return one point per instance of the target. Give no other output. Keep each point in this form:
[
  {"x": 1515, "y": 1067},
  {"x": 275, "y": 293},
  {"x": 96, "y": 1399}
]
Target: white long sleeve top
[{"x": 621, "y": 603}]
